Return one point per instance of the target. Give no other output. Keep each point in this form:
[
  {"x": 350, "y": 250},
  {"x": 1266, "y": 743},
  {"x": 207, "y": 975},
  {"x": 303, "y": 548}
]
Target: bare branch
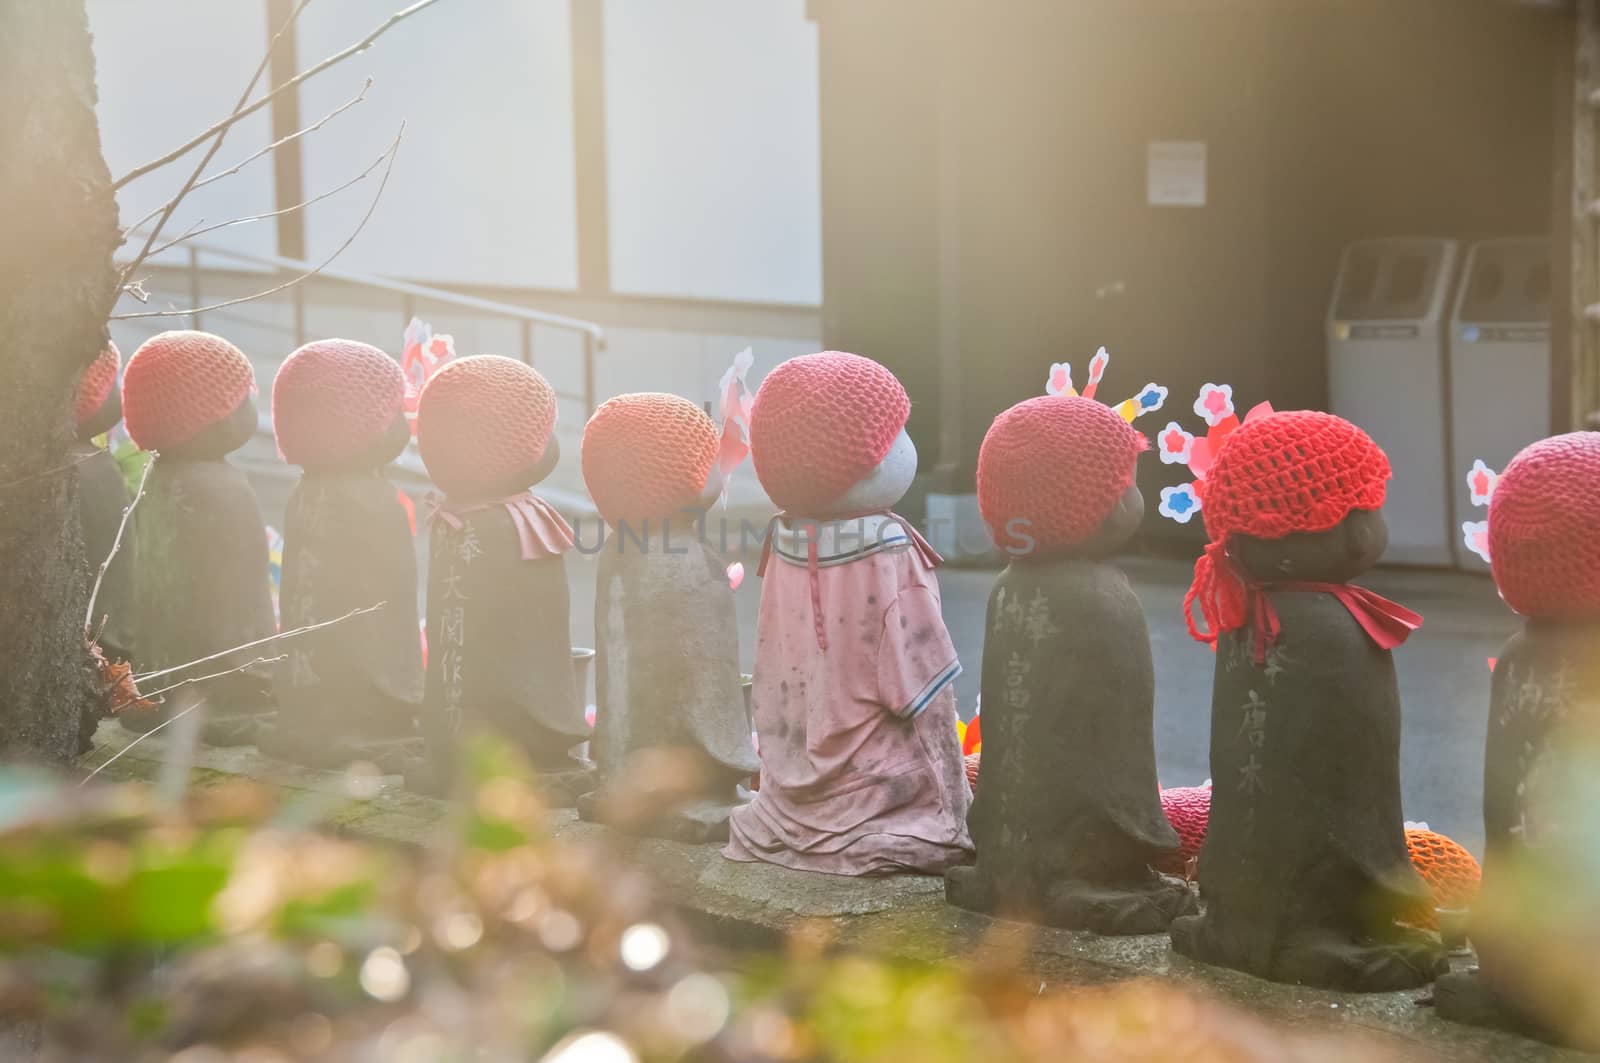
[
  {"x": 197, "y": 231},
  {"x": 216, "y": 145},
  {"x": 118, "y": 754},
  {"x": 216, "y": 675},
  {"x": 116, "y": 544},
  {"x": 394, "y": 149},
  {"x": 45, "y": 472},
  {"x": 242, "y": 112},
  {"x": 261, "y": 642},
  {"x": 247, "y": 160}
]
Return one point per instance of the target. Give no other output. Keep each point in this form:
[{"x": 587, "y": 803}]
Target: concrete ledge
[{"x": 901, "y": 917}]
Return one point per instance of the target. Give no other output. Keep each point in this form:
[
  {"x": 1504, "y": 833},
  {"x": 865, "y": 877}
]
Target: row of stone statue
[{"x": 1304, "y": 874}]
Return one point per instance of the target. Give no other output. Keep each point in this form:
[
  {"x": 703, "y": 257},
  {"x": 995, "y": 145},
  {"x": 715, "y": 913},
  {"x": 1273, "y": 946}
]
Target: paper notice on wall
[{"x": 1176, "y": 173}]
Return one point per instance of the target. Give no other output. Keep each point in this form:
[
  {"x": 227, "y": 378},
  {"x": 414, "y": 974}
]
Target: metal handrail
[{"x": 594, "y": 337}]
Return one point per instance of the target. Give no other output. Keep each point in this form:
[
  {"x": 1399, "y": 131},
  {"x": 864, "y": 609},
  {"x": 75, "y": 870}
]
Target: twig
[
  {"x": 216, "y": 146},
  {"x": 394, "y": 149},
  {"x": 338, "y": 57},
  {"x": 260, "y": 642},
  {"x": 46, "y": 472},
  {"x": 193, "y": 232},
  {"x": 118, "y": 754},
  {"x": 215, "y": 675},
  {"x": 116, "y": 544},
  {"x": 247, "y": 160}
]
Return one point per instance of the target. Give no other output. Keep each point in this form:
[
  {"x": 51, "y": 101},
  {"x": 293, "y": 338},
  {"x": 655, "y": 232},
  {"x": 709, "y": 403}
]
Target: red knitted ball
[
  {"x": 973, "y": 763},
  {"x": 179, "y": 383},
  {"x": 1297, "y": 471},
  {"x": 1052, "y": 468},
  {"x": 1542, "y": 528},
  {"x": 94, "y": 387},
  {"x": 647, "y": 456},
  {"x": 333, "y": 399},
  {"x": 1188, "y": 809},
  {"x": 821, "y": 423},
  {"x": 481, "y": 420}
]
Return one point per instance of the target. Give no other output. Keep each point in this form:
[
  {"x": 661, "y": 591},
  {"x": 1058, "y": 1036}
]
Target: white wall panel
[
  {"x": 166, "y": 70},
  {"x": 712, "y": 144},
  {"x": 482, "y": 192}
]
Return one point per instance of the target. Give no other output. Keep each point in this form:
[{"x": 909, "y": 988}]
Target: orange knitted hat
[
  {"x": 1052, "y": 468},
  {"x": 481, "y": 420},
  {"x": 179, "y": 383},
  {"x": 96, "y": 384},
  {"x": 1542, "y": 528},
  {"x": 821, "y": 423},
  {"x": 1452, "y": 874},
  {"x": 646, "y": 456},
  {"x": 333, "y": 399},
  {"x": 1296, "y": 471}
]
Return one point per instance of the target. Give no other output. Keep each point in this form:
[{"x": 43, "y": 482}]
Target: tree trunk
[{"x": 57, "y": 287}]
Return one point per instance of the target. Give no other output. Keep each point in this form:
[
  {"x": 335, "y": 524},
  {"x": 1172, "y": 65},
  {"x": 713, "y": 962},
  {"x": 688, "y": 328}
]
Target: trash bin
[
  {"x": 1499, "y": 364},
  {"x": 1386, "y": 372}
]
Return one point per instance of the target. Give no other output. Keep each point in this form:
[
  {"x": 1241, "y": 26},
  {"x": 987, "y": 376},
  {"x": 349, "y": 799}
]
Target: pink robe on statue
[{"x": 861, "y": 769}]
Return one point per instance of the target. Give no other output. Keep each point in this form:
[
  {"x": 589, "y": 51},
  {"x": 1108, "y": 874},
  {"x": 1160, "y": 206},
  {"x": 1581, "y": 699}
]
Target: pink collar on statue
[
  {"x": 874, "y": 531},
  {"x": 540, "y": 529}
]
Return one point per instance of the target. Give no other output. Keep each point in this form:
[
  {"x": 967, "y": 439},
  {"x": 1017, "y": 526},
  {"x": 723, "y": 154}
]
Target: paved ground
[{"x": 1444, "y": 678}]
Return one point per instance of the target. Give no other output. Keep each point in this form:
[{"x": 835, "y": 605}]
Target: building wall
[
  {"x": 711, "y": 109},
  {"x": 1326, "y": 121}
]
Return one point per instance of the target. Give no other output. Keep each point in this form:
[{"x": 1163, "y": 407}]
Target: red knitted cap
[
  {"x": 481, "y": 420},
  {"x": 1295, "y": 471},
  {"x": 334, "y": 399},
  {"x": 1543, "y": 527},
  {"x": 1188, "y": 809},
  {"x": 1058, "y": 463},
  {"x": 821, "y": 423},
  {"x": 94, "y": 387},
  {"x": 178, "y": 383},
  {"x": 647, "y": 456}
]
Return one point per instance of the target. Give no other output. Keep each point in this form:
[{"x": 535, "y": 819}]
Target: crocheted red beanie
[
  {"x": 178, "y": 383},
  {"x": 1052, "y": 468},
  {"x": 1296, "y": 471},
  {"x": 821, "y": 423},
  {"x": 1542, "y": 527},
  {"x": 333, "y": 399},
  {"x": 647, "y": 456},
  {"x": 94, "y": 387},
  {"x": 1188, "y": 809},
  {"x": 481, "y": 420}
]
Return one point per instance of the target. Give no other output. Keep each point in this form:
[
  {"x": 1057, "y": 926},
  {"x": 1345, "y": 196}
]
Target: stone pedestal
[
  {"x": 499, "y": 655},
  {"x": 672, "y": 729},
  {"x": 350, "y": 691},
  {"x": 204, "y": 587},
  {"x": 1305, "y": 870},
  {"x": 1068, "y": 820}
]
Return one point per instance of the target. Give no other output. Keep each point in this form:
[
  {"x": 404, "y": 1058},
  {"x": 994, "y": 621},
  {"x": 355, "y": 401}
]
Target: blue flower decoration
[{"x": 1179, "y": 503}]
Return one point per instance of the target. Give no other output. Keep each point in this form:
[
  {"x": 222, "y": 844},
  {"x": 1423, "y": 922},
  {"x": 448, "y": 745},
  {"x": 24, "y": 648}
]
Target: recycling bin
[
  {"x": 1387, "y": 373},
  {"x": 1499, "y": 341}
]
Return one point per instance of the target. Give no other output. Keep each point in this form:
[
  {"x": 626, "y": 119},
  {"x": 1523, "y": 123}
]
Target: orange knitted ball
[
  {"x": 1296, "y": 471},
  {"x": 1452, "y": 874},
  {"x": 1188, "y": 809},
  {"x": 1542, "y": 530},
  {"x": 973, "y": 761},
  {"x": 180, "y": 383},
  {"x": 96, "y": 384},
  {"x": 646, "y": 457},
  {"x": 821, "y": 423},
  {"x": 481, "y": 421},
  {"x": 1051, "y": 469},
  {"x": 334, "y": 399}
]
